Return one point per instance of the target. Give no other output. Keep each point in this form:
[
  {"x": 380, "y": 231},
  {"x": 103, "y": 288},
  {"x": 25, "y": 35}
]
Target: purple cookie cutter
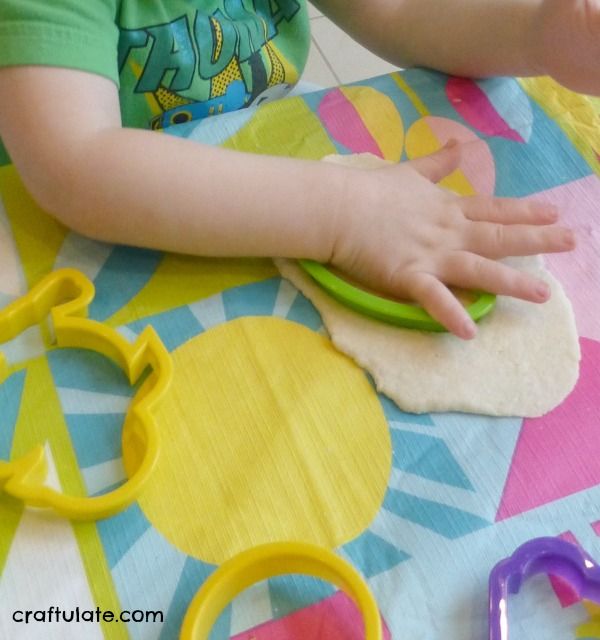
[{"x": 540, "y": 555}]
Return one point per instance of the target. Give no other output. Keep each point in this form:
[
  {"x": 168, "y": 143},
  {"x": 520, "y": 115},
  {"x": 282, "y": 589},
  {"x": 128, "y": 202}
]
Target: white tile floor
[{"x": 337, "y": 59}]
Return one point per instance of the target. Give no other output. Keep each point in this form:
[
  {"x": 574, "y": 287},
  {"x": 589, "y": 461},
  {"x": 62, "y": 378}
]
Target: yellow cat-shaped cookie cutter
[{"x": 64, "y": 295}]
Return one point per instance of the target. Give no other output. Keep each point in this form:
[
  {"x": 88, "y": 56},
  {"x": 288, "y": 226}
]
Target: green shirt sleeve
[{"x": 77, "y": 34}]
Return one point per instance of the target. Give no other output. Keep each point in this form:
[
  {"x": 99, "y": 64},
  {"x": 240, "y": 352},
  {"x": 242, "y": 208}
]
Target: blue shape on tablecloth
[
  {"x": 448, "y": 521},
  {"x": 88, "y": 371},
  {"x": 304, "y": 312},
  {"x": 372, "y": 554},
  {"x": 11, "y": 391},
  {"x": 174, "y": 327},
  {"x": 120, "y": 532},
  {"x": 96, "y": 438},
  {"x": 428, "y": 457},
  {"x": 256, "y": 299},
  {"x": 126, "y": 271}
]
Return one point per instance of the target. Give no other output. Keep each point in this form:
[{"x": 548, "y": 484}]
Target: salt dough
[{"x": 523, "y": 362}]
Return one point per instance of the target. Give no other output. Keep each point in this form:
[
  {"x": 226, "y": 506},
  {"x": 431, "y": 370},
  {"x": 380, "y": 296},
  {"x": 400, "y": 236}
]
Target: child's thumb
[{"x": 438, "y": 165}]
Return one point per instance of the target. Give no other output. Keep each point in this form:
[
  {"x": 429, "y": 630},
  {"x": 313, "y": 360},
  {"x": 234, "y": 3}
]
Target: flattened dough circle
[{"x": 523, "y": 362}]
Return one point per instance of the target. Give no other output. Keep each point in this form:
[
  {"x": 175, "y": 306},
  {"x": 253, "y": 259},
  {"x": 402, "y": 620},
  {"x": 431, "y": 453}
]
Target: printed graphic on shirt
[{"x": 201, "y": 64}]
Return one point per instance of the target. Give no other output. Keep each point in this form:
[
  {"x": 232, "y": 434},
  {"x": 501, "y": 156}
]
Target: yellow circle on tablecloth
[{"x": 267, "y": 434}]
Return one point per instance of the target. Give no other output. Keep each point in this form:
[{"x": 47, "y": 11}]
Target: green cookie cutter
[
  {"x": 396, "y": 313},
  {"x": 65, "y": 296}
]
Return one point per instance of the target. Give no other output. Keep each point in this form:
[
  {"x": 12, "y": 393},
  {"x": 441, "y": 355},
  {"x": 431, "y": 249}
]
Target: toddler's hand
[{"x": 403, "y": 235}]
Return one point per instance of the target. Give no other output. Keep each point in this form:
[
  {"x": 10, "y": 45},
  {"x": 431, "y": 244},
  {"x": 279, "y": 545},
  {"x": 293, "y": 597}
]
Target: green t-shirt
[{"x": 173, "y": 60}]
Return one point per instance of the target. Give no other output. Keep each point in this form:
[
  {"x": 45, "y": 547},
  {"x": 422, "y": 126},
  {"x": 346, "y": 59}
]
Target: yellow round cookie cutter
[
  {"x": 270, "y": 560},
  {"x": 65, "y": 295}
]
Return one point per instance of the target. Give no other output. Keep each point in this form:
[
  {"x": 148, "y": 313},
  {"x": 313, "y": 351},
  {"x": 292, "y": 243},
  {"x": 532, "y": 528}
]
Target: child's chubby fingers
[
  {"x": 508, "y": 210},
  {"x": 441, "y": 304},
  {"x": 471, "y": 271},
  {"x": 494, "y": 240}
]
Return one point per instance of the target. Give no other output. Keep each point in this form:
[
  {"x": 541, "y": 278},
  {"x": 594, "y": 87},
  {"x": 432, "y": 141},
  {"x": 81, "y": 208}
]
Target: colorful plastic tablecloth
[{"x": 268, "y": 433}]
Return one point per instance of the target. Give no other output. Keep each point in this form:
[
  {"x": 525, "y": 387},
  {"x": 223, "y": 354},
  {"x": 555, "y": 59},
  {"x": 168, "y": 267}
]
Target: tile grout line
[{"x": 335, "y": 75}]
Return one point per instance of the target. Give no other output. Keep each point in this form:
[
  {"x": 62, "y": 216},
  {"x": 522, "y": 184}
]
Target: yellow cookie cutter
[
  {"x": 268, "y": 561},
  {"x": 65, "y": 295}
]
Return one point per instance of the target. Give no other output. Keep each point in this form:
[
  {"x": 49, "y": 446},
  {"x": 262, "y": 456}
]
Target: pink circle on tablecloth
[{"x": 477, "y": 162}]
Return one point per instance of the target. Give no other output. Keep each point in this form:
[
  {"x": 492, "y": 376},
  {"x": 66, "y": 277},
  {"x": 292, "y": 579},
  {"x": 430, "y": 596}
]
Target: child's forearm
[
  {"x": 142, "y": 188},
  {"x": 463, "y": 37}
]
